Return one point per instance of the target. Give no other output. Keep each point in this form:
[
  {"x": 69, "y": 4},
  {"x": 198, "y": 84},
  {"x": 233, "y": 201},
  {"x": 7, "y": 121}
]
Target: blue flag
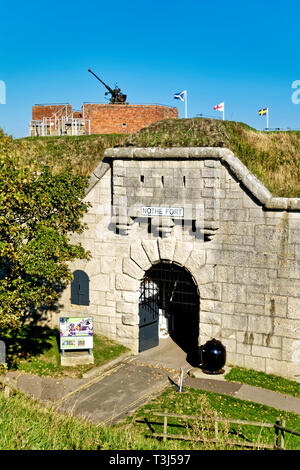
[{"x": 180, "y": 96}]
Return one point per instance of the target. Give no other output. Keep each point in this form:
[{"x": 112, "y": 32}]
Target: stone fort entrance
[
  {"x": 169, "y": 306},
  {"x": 186, "y": 242}
]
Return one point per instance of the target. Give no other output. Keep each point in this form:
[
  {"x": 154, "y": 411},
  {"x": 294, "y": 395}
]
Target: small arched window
[{"x": 80, "y": 289}]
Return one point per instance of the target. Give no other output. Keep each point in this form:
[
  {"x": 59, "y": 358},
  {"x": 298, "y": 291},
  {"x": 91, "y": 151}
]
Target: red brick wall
[
  {"x": 40, "y": 111},
  {"x": 77, "y": 115},
  {"x": 109, "y": 118}
]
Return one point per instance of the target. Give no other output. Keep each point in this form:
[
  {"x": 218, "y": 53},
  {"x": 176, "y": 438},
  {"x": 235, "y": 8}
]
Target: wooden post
[
  {"x": 165, "y": 424},
  {"x": 277, "y": 443},
  {"x": 216, "y": 426},
  {"x": 282, "y": 434}
]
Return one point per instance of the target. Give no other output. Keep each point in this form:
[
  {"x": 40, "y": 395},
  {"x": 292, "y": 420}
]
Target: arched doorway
[{"x": 169, "y": 305}]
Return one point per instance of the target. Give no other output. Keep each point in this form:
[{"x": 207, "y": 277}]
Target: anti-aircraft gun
[{"x": 116, "y": 97}]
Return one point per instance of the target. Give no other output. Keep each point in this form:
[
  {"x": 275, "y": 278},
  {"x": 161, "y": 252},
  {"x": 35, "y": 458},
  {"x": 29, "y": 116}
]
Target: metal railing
[{"x": 134, "y": 104}]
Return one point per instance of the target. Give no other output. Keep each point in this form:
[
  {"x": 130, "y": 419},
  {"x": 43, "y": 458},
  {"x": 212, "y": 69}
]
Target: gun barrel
[{"x": 106, "y": 86}]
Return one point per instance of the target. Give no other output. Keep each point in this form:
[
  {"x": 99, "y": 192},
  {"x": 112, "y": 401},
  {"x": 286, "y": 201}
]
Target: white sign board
[{"x": 174, "y": 212}]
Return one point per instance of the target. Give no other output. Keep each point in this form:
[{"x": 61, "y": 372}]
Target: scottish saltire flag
[
  {"x": 262, "y": 112},
  {"x": 180, "y": 96}
]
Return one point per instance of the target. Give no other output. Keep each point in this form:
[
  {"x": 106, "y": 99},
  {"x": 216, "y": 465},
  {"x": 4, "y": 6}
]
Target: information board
[{"x": 76, "y": 333}]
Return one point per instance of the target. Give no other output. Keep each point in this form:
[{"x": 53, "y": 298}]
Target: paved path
[
  {"x": 117, "y": 393},
  {"x": 134, "y": 381},
  {"x": 247, "y": 392},
  {"x": 109, "y": 394}
]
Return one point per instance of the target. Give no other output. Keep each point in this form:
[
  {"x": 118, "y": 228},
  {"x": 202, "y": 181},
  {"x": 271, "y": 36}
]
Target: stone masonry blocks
[
  {"x": 246, "y": 264},
  {"x": 139, "y": 256},
  {"x": 166, "y": 249},
  {"x": 132, "y": 269},
  {"x": 151, "y": 249}
]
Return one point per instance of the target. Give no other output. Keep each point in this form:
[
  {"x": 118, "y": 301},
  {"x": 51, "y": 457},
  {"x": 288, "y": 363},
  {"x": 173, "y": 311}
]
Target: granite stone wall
[{"x": 241, "y": 246}]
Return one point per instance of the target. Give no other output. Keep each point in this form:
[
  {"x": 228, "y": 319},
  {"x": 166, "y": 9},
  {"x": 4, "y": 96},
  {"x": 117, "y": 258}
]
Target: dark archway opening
[{"x": 169, "y": 290}]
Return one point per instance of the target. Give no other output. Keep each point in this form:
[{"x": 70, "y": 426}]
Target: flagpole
[
  {"x": 267, "y": 118},
  {"x": 223, "y": 111}
]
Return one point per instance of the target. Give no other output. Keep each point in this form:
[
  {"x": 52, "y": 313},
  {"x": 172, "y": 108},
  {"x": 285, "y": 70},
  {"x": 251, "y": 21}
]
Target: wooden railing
[{"x": 279, "y": 430}]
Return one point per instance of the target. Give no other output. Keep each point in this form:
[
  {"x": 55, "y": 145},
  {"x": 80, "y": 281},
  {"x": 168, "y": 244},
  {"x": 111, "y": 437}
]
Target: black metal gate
[
  {"x": 149, "y": 314},
  {"x": 171, "y": 288}
]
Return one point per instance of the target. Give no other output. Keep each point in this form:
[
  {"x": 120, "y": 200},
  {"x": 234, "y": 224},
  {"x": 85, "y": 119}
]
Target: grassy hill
[
  {"x": 82, "y": 152},
  {"x": 274, "y": 157}
]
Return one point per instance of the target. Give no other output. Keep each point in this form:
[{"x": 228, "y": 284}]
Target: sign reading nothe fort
[
  {"x": 163, "y": 211},
  {"x": 2, "y": 92}
]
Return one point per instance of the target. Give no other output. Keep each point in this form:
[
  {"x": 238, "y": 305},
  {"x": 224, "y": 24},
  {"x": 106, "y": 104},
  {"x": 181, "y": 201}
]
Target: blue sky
[{"x": 245, "y": 53}]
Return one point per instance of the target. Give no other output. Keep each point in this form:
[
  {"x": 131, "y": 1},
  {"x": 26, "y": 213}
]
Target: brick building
[{"x": 95, "y": 118}]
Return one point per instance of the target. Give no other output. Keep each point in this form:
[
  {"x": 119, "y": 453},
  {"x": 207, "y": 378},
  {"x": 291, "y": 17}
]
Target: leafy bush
[{"x": 38, "y": 212}]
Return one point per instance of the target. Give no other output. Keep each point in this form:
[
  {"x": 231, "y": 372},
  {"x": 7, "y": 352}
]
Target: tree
[{"x": 38, "y": 213}]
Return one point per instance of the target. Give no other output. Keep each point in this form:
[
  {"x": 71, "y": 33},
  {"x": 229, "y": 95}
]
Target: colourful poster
[{"x": 76, "y": 332}]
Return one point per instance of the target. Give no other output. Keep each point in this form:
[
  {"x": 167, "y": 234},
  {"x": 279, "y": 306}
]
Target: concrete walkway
[
  {"x": 247, "y": 392},
  {"x": 120, "y": 391},
  {"x": 166, "y": 355},
  {"x": 110, "y": 393}
]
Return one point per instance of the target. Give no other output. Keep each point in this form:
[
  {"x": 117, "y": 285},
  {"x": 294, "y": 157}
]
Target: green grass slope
[
  {"x": 82, "y": 152},
  {"x": 274, "y": 157}
]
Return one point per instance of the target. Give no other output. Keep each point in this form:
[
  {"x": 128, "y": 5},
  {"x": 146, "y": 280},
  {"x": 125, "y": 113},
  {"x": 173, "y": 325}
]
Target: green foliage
[{"x": 38, "y": 212}]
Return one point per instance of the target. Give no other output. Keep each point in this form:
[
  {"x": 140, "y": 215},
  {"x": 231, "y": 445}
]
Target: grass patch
[
  {"x": 36, "y": 350},
  {"x": 260, "y": 379},
  {"x": 48, "y": 363},
  {"x": 274, "y": 157},
  {"x": 27, "y": 425},
  {"x": 204, "y": 404},
  {"x": 82, "y": 153}
]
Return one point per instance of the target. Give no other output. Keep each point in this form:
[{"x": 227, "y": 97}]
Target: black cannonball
[{"x": 212, "y": 357}]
